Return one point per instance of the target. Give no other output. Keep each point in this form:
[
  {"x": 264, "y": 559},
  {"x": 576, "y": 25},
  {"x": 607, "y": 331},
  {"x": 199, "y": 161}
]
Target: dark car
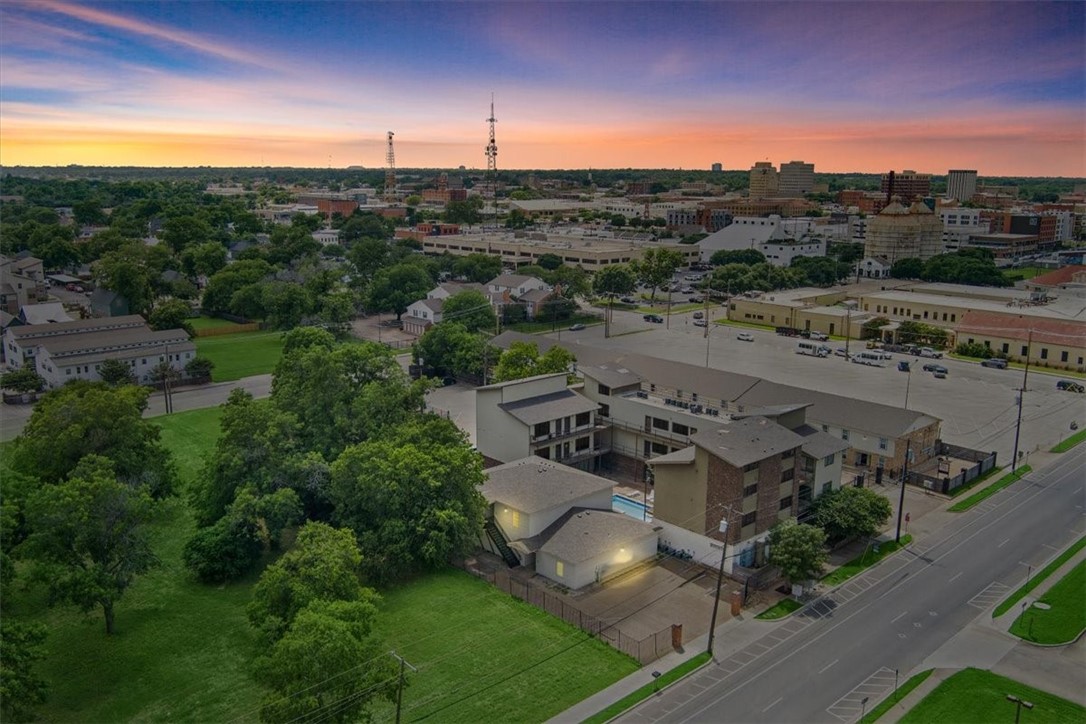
[
  {"x": 654, "y": 318},
  {"x": 1069, "y": 386},
  {"x": 628, "y": 300},
  {"x": 937, "y": 369},
  {"x": 995, "y": 362},
  {"x": 903, "y": 365}
]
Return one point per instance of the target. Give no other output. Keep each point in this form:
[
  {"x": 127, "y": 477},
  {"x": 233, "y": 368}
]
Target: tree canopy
[
  {"x": 522, "y": 359},
  {"x": 471, "y": 309},
  {"x": 656, "y": 267},
  {"x": 394, "y": 288},
  {"x": 851, "y": 512},
  {"x": 798, "y": 550}
]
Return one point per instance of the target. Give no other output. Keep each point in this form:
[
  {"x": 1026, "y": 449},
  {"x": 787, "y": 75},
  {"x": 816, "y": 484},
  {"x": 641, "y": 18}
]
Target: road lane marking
[
  {"x": 827, "y": 666},
  {"x": 895, "y": 618},
  {"x": 1004, "y": 543},
  {"x": 955, "y": 576},
  {"x": 778, "y": 701}
]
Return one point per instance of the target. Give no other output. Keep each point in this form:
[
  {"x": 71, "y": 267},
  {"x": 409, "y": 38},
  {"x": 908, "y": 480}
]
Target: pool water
[{"x": 630, "y": 507}]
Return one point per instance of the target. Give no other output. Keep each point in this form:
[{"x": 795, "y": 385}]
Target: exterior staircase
[{"x": 498, "y": 539}]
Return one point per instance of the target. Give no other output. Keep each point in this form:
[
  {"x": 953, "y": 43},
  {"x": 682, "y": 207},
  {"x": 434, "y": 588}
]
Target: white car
[{"x": 745, "y": 337}]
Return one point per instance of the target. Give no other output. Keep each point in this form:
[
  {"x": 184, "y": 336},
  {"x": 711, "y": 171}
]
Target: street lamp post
[
  {"x": 719, "y": 583},
  {"x": 1019, "y": 703}
]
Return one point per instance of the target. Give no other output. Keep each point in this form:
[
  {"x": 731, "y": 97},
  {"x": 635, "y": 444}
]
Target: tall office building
[
  {"x": 763, "y": 180},
  {"x": 796, "y": 179},
  {"x": 908, "y": 184},
  {"x": 717, "y": 167},
  {"x": 961, "y": 184}
]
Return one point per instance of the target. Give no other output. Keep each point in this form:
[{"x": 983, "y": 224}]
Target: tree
[
  {"x": 126, "y": 273},
  {"x": 798, "y": 550},
  {"x": 305, "y": 667},
  {"x": 550, "y": 261},
  {"x": 471, "y": 309},
  {"x": 737, "y": 256},
  {"x": 450, "y": 349},
  {"x": 851, "y": 512},
  {"x": 871, "y": 328},
  {"x": 822, "y": 271},
  {"x": 285, "y": 304},
  {"x": 614, "y": 280},
  {"x": 306, "y": 337},
  {"x": 171, "y": 314},
  {"x": 88, "y": 541},
  {"x": 522, "y": 359},
  {"x": 368, "y": 255},
  {"x": 203, "y": 259},
  {"x": 655, "y": 267},
  {"x": 222, "y": 285},
  {"x": 322, "y": 565},
  {"x": 224, "y": 551},
  {"x": 199, "y": 368},
  {"x": 22, "y": 379},
  {"x": 477, "y": 268},
  {"x": 394, "y": 288},
  {"x": 909, "y": 268},
  {"x": 412, "y": 503},
  {"x": 468, "y": 211},
  {"x": 181, "y": 232},
  {"x": 115, "y": 373},
  {"x": 90, "y": 418},
  {"x": 21, "y": 688}
]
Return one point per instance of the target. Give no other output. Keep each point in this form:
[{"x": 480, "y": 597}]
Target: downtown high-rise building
[
  {"x": 795, "y": 179},
  {"x": 961, "y": 184},
  {"x": 907, "y": 184},
  {"x": 763, "y": 180}
]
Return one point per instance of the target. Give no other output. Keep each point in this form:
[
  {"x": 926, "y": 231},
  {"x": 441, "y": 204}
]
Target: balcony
[
  {"x": 579, "y": 455},
  {"x": 572, "y": 432}
]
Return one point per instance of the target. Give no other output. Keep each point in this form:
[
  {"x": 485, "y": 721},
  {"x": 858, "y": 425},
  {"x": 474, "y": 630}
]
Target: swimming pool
[{"x": 630, "y": 507}]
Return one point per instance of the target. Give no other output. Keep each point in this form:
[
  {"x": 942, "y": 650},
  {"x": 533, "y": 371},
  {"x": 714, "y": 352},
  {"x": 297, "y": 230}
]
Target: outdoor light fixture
[{"x": 1019, "y": 703}]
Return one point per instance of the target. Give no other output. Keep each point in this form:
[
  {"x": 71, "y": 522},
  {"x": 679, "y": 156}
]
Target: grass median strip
[
  {"x": 901, "y": 693},
  {"x": 973, "y": 695},
  {"x": 1070, "y": 442},
  {"x": 1065, "y": 616},
  {"x": 1037, "y": 579},
  {"x": 647, "y": 690},
  {"x": 870, "y": 557},
  {"x": 963, "y": 489},
  {"x": 982, "y": 495},
  {"x": 780, "y": 609}
]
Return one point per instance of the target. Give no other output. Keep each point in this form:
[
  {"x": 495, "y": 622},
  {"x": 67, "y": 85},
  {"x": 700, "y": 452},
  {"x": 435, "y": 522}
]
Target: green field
[
  {"x": 182, "y": 651},
  {"x": 485, "y": 656},
  {"x": 1038, "y": 578},
  {"x": 978, "y": 696},
  {"x": 1025, "y": 272},
  {"x": 1066, "y": 617},
  {"x": 780, "y": 609},
  {"x": 241, "y": 355}
]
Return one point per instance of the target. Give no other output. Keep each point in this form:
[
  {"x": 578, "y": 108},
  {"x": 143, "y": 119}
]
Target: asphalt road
[
  {"x": 977, "y": 404},
  {"x": 845, "y": 646}
]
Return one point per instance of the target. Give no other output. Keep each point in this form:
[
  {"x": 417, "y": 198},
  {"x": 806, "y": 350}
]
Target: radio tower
[
  {"x": 492, "y": 166},
  {"x": 390, "y": 172}
]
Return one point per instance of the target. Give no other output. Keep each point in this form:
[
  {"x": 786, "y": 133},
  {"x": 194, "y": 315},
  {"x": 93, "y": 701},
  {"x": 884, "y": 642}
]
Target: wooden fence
[{"x": 230, "y": 329}]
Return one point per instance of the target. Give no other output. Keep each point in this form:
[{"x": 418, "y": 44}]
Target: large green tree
[
  {"x": 737, "y": 256},
  {"x": 851, "y": 512},
  {"x": 88, "y": 540},
  {"x": 22, "y": 689},
  {"x": 203, "y": 259},
  {"x": 477, "y": 268},
  {"x": 412, "y": 503},
  {"x": 655, "y": 267},
  {"x": 523, "y": 359},
  {"x": 471, "y": 309},
  {"x": 798, "y": 549},
  {"x": 394, "y": 288},
  {"x": 22, "y": 379},
  {"x": 451, "y": 349},
  {"x": 222, "y": 285},
  {"x": 182, "y": 232},
  {"x": 127, "y": 273},
  {"x": 614, "y": 280},
  {"x": 171, "y": 314}
]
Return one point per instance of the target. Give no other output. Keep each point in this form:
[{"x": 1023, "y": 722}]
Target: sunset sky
[{"x": 873, "y": 86}]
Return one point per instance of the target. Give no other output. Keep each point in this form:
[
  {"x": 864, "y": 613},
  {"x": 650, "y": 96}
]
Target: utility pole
[
  {"x": 1021, "y": 394},
  {"x": 848, "y": 330},
  {"x": 399, "y": 686},
  {"x": 904, "y": 477},
  {"x": 719, "y": 582}
]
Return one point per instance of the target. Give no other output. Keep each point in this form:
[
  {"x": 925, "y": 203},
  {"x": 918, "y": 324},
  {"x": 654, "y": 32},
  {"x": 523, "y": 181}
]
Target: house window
[
  {"x": 514, "y": 518},
  {"x": 582, "y": 444},
  {"x": 605, "y": 410},
  {"x": 679, "y": 428},
  {"x": 844, "y": 434},
  {"x": 659, "y": 424},
  {"x": 541, "y": 429},
  {"x": 1063, "y": 356},
  {"x": 786, "y": 503},
  {"x": 750, "y": 490},
  {"x": 829, "y": 459},
  {"x": 1044, "y": 352},
  {"x": 751, "y": 466},
  {"x": 826, "y": 487},
  {"x": 788, "y": 454},
  {"x": 1006, "y": 348},
  {"x": 749, "y": 518},
  {"x": 787, "y": 475},
  {"x": 1025, "y": 350},
  {"x": 605, "y": 390},
  {"x": 883, "y": 443},
  {"x": 544, "y": 452},
  {"x": 559, "y": 569},
  {"x": 582, "y": 419},
  {"x": 659, "y": 448}
]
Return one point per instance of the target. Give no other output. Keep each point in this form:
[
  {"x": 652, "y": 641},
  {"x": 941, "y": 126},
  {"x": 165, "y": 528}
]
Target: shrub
[{"x": 224, "y": 551}]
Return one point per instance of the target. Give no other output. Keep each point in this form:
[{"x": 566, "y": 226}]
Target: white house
[
  {"x": 422, "y": 315},
  {"x": 514, "y": 284},
  {"x": 558, "y": 521}
]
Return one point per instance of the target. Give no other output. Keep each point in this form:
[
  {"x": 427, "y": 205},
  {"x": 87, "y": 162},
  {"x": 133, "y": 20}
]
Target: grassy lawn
[
  {"x": 1065, "y": 620},
  {"x": 241, "y": 355},
  {"x": 646, "y": 691},
  {"x": 485, "y": 656},
  {"x": 991, "y": 490},
  {"x": 1025, "y": 272},
  {"x": 867, "y": 559},
  {"x": 886, "y": 704},
  {"x": 210, "y": 323},
  {"x": 561, "y": 325},
  {"x": 190, "y": 435},
  {"x": 780, "y": 609},
  {"x": 975, "y": 482},
  {"x": 1070, "y": 442},
  {"x": 1036, "y": 579},
  {"x": 973, "y": 695}
]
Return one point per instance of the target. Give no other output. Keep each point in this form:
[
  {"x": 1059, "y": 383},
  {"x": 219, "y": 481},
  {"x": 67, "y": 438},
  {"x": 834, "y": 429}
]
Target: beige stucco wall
[
  {"x": 601, "y": 566},
  {"x": 681, "y": 492}
]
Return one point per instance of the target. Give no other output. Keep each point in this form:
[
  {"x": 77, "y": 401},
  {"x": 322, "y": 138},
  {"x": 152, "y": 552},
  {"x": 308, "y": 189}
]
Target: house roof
[
  {"x": 112, "y": 340},
  {"x": 770, "y": 410},
  {"x": 582, "y": 534},
  {"x": 820, "y": 444},
  {"x": 535, "y": 295},
  {"x": 510, "y": 280},
  {"x": 547, "y": 407},
  {"x": 683, "y": 456},
  {"x": 611, "y": 375},
  {"x": 742, "y": 442},
  {"x": 457, "y": 287},
  {"x": 47, "y": 313},
  {"x": 434, "y": 305},
  {"x": 510, "y": 383},
  {"x": 1067, "y": 333},
  {"x": 1063, "y": 275},
  {"x": 79, "y": 325},
  {"x": 533, "y": 484}
]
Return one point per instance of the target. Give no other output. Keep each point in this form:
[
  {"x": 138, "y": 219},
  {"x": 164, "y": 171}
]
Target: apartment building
[{"x": 908, "y": 184}]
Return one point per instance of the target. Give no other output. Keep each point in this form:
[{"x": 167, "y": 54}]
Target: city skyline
[{"x": 848, "y": 87}]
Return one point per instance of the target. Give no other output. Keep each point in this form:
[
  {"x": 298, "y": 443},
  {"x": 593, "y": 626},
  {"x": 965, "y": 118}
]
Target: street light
[
  {"x": 1019, "y": 703},
  {"x": 719, "y": 582}
]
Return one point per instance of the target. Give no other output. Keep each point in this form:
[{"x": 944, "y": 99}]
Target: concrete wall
[
  {"x": 498, "y": 434},
  {"x": 681, "y": 492},
  {"x": 599, "y": 567}
]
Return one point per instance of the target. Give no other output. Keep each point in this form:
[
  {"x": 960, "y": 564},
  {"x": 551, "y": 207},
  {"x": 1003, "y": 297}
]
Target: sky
[{"x": 871, "y": 86}]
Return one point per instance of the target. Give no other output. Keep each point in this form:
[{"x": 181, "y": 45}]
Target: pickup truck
[{"x": 929, "y": 352}]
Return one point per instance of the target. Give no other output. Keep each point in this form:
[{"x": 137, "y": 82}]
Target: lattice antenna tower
[
  {"x": 390, "y": 171},
  {"x": 492, "y": 164}
]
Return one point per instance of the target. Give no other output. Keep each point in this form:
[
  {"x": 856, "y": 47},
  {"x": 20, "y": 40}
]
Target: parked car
[
  {"x": 841, "y": 352},
  {"x": 929, "y": 352},
  {"x": 698, "y": 315},
  {"x": 700, "y": 323},
  {"x": 939, "y": 374},
  {"x": 686, "y": 290},
  {"x": 932, "y": 367},
  {"x": 74, "y": 288},
  {"x": 995, "y": 362},
  {"x": 654, "y": 318},
  {"x": 576, "y": 327},
  {"x": 696, "y": 300},
  {"x": 745, "y": 337},
  {"x": 818, "y": 336},
  {"x": 628, "y": 300},
  {"x": 1070, "y": 386}
]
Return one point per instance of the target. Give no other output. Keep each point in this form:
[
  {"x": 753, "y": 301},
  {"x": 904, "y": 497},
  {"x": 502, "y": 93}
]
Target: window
[
  {"x": 541, "y": 429},
  {"x": 582, "y": 444},
  {"x": 659, "y": 424},
  {"x": 1063, "y": 356},
  {"x": 514, "y": 517},
  {"x": 1044, "y": 352},
  {"x": 829, "y": 459},
  {"x": 559, "y": 569},
  {"x": 605, "y": 410},
  {"x": 544, "y": 452},
  {"x": 604, "y": 390},
  {"x": 1025, "y": 350},
  {"x": 788, "y": 454},
  {"x": 679, "y": 428},
  {"x": 825, "y": 428},
  {"x": 750, "y": 518},
  {"x": 659, "y": 449},
  {"x": 787, "y": 475},
  {"x": 1006, "y": 348},
  {"x": 652, "y": 387},
  {"x": 844, "y": 434},
  {"x": 582, "y": 419},
  {"x": 826, "y": 487},
  {"x": 750, "y": 490},
  {"x": 751, "y": 466},
  {"x": 883, "y": 443},
  {"x": 786, "y": 503}
]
